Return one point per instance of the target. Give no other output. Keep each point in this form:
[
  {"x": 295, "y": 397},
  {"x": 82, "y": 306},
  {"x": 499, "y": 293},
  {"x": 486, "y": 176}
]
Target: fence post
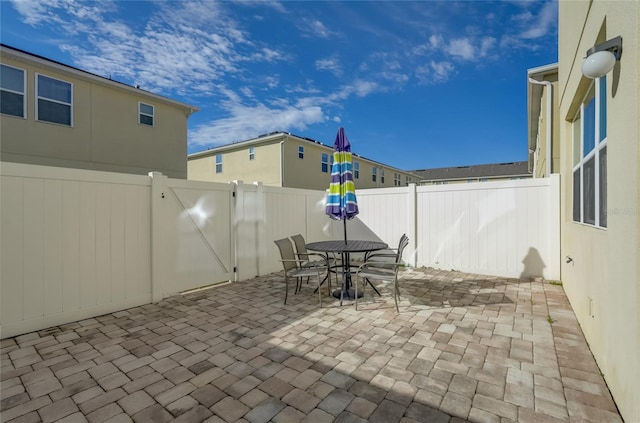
[
  {"x": 412, "y": 227},
  {"x": 261, "y": 235},
  {"x": 158, "y": 261},
  {"x": 238, "y": 219},
  {"x": 554, "y": 227}
]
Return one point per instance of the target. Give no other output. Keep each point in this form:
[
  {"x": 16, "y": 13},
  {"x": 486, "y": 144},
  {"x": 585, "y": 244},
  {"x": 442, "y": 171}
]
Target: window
[
  {"x": 356, "y": 170},
  {"x": 325, "y": 163},
  {"x": 301, "y": 152},
  {"x": 12, "y": 89},
  {"x": 218, "y": 163},
  {"x": 396, "y": 179},
  {"x": 145, "y": 114},
  {"x": 381, "y": 176},
  {"x": 54, "y": 98},
  {"x": 590, "y": 158},
  {"x": 374, "y": 174},
  {"x": 252, "y": 153}
]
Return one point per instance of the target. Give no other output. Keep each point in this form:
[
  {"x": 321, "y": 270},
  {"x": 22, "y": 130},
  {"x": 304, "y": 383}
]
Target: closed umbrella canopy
[{"x": 341, "y": 201}]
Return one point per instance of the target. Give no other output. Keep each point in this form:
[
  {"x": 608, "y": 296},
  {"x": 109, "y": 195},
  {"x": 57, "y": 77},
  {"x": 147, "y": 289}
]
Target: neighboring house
[
  {"x": 543, "y": 120},
  {"x": 477, "y": 173},
  {"x": 56, "y": 115},
  {"x": 599, "y": 137},
  {"x": 286, "y": 160}
]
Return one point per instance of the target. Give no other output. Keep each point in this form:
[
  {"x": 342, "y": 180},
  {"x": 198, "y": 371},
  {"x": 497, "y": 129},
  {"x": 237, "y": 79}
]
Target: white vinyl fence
[
  {"x": 74, "y": 244},
  {"x": 77, "y": 244}
]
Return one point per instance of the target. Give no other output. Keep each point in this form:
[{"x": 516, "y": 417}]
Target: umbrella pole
[{"x": 345, "y": 230}]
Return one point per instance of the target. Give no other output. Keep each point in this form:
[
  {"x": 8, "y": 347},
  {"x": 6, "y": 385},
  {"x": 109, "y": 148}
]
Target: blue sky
[{"x": 415, "y": 84}]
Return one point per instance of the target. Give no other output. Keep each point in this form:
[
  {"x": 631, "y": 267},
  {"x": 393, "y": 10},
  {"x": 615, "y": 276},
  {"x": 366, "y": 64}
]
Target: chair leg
[
  {"x": 355, "y": 285},
  {"x": 319, "y": 291},
  {"x": 396, "y": 294},
  {"x": 286, "y": 288}
]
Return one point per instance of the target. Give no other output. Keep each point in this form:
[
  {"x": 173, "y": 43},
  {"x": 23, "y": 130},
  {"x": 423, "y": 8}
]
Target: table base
[{"x": 349, "y": 294}]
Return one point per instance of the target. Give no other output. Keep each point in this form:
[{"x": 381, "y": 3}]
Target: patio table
[{"x": 344, "y": 248}]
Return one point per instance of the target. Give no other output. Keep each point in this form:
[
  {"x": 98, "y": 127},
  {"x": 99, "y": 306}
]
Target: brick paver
[{"x": 464, "y": 347}]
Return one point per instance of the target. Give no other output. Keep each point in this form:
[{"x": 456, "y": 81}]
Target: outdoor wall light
[{"x": 602, "y": 58}]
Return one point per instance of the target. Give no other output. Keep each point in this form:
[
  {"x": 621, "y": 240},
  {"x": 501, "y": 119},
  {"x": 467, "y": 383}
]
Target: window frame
[
  {"x": 324, "y": 163},
  {"x": 382, "y": 175},
  {"x": 141, "y": 113},
  {"x": 252, "y": 153},
  {"x": 218, "y": 166},
  {"x": 301, "y": 152},
  {"x": 356, "y": 170},
  {"x": 592, "y": 161},
  {"x": 23, "y": 93},
  {"x": 374, "y": 174},
  {"x": 52, "y": 100}
]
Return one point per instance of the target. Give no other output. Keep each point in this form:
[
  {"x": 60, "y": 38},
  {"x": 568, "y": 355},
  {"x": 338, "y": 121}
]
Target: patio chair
[
  {"x": 388, "y": 255},
  {"x": 293, "y": 268},
  {"x": 375, "y": 269},
  {"x": 303, "y": 254}
]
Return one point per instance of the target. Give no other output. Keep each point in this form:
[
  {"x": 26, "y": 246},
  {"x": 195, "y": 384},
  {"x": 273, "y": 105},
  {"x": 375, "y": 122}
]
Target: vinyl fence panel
[
  {"x": 71, "y": 245},
  {"x": 507, "y": 228}
]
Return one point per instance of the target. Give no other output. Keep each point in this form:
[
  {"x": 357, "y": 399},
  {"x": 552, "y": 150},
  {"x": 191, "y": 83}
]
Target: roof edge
[{"x": 44, "y": 61}]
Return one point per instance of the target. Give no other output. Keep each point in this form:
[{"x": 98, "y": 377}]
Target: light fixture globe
[{"x": 598, "y": 64}]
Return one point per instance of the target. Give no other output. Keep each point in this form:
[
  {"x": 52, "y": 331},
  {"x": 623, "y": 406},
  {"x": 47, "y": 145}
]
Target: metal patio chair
[
  {"x": 294, "y": 268},
  {"x": 376, "y": 269},
  {"x": 303, "y": 254}
]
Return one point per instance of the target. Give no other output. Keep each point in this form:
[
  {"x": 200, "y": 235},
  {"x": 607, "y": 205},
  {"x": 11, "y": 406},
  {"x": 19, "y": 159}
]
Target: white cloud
[
  {"x": 246, "y": 122},
  {"x": 183, "y": 47},
  {"x": 486, "y": 45},
  {"x": 441, "y": 70},
  {"x": 462, "y": 48},
  {"x": 541, "y": 24},
  {"x": 314, "y": 27},
  {"x": 435, "y": 72},
  {"x": 331, "y": 64},
  {"x": 361, "y": 88}
]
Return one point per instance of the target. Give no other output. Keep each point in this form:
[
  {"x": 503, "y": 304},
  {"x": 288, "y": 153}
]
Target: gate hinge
[
  {"x": 234, "y": 193},
  {"x": 235, "y": 269}
]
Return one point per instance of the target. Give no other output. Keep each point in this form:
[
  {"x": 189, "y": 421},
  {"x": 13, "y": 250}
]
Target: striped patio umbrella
[{"x": 341, "y": 201}]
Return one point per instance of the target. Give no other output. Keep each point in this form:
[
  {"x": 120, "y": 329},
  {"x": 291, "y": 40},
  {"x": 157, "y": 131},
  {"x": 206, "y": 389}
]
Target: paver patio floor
[{"x": 464, "y": 347}]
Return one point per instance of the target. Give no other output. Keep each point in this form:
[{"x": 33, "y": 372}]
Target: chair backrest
[
  {"x": 301, "y": 247},
  {"x": 286, "y": 253},
  {"x": 404, "y": 241}
]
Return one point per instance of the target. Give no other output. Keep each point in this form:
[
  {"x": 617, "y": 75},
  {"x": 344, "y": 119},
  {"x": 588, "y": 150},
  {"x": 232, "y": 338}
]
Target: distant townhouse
[
  {"x": 57, "y": 115},
  {"x": 475, "y": 173},
  {"x": 286, "y": 160}
]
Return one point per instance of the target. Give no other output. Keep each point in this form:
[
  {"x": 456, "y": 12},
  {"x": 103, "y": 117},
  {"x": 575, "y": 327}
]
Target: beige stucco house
[
  {"x": 286, "y": 160},
  {"x": 56, "y": 115},
  {"x": 599, "y": 146}
]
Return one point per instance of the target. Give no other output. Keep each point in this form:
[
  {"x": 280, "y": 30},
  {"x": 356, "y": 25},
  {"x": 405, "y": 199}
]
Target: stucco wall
[
  {"x": 602, "y": 280},
  {"x": 236, "y": 166}
]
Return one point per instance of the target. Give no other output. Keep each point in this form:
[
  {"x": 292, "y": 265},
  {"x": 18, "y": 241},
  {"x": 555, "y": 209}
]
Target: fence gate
[{"x": 191, "y": 234}]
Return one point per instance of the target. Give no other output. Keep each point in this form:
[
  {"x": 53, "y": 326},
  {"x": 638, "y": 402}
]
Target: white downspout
[{"x": 549, "y": 122}]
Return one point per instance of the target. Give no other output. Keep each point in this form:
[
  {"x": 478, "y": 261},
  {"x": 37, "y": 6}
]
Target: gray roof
[{"x": 495, "y": 170}]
